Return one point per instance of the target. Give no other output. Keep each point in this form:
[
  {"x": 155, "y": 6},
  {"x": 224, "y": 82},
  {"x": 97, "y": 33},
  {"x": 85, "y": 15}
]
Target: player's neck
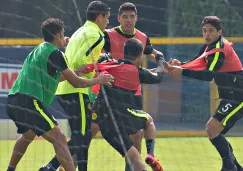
[
  {"x": 134, "y": 62},
  {"x": 129, "y": 32},
  {"x": 55, "y": 44}
]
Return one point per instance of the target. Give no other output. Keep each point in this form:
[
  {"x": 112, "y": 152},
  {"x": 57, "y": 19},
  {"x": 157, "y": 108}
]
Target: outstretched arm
[{"x": 152, "y": 77}]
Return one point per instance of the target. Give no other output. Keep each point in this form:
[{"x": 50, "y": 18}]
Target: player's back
[{"x": 126, "y": 82}]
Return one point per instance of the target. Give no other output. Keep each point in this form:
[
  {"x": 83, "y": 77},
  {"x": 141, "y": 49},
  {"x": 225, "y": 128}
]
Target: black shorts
[
  {"x": 28, "y": 113},
  {"x": 129, "y": 121},
  {"x": 78, "y": 110},
  {"x": 139, "y": 101},
  {"x": 229, "y": 112}
]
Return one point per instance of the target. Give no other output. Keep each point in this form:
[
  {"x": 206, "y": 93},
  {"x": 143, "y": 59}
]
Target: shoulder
[
  {"x": 57, "y": 53},
  {"x": 225, "y": 43},
  {"x": 140, "y": 32},
  {"x": 111, "y": 30},
  {"x": 92, "y": 32}
]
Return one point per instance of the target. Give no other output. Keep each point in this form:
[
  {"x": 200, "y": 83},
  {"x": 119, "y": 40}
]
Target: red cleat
[{"x": 153, "y": 163}]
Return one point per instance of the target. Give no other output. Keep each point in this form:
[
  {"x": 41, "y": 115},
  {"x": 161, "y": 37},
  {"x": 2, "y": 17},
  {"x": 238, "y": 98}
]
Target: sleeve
[
  {"x": 56, "y": 62},
  {"x": 204, "y": 75},
  {"x": 104, "y": 57},
  {"x": 94, "y": 47},
  {"x": 148, "y": 47},
  {"x": 107, "y": 43},
  {"x": 148, "y": 77},
  {"x": 215, "y": 61}
]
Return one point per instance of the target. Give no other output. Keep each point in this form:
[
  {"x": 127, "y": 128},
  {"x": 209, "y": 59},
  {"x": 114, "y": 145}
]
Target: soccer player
[
  {"x": 115, "y": 39},
  {"x": 84, "y": 46},
  {"x": 34, "y": 90},
  {"x": 128, "y": 76},
  {"x": 217, "y": 60}
]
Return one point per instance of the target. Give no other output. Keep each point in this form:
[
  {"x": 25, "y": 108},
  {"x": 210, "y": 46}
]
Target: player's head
[
  {"x": 99, "y": 13},
  {"x": 211, "y": 29},
  {"x": 133, "y": 51},
  {"x": 127, "y": 17},
  {"x": 53, "y": 31}
]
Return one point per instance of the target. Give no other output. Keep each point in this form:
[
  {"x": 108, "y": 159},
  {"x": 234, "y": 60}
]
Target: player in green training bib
[{"x": 34, "y": 90}]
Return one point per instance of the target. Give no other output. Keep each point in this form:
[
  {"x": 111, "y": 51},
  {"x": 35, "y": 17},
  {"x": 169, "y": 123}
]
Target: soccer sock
[
  {"x": 82, "y": 157},
  {"x": 54, "y": 163},
  {"x": 150, "y": 146},
  {"x": 222, "y": 146},
  {"x": 11, "y": 168},
  {"x": 234, "y": 158}
]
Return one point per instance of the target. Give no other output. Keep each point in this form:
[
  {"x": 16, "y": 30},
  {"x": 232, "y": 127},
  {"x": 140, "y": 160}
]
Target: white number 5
[{"x": 226, "y": 107}]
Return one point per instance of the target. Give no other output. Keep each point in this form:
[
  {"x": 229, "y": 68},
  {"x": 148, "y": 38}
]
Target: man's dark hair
[
  {"x": 133, "y": 48},
  {"x": 50, "y": 28},
  {"x": 96, "y": 8},
  {"x": 127, "y": 6},
  {"x": 214, "y": 21}
]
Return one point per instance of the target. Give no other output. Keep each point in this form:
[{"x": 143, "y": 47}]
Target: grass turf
[{"x": 175, "y": 154}]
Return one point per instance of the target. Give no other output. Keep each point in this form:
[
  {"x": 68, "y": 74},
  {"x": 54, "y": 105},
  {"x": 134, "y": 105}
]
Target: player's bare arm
[{"x": 79, "y": 82}]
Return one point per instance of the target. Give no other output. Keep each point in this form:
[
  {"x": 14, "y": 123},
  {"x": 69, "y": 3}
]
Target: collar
[
  {"x": 213, "y": 44},
  {"x": 92, "y": 24},
  {"x": 134, "y": 32}
]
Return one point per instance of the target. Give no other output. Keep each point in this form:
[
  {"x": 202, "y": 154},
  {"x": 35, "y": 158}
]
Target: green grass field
[{"x": 175, "y": 154}]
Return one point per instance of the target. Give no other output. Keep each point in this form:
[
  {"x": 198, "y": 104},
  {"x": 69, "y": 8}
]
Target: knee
[
  {"x": 150, "y": 119},
  {"x": 213, "y": 128},
  {"x": 26, "y": 140},
  {"x": 209, "y": 127},
  {"x": 134, "y": 155}
]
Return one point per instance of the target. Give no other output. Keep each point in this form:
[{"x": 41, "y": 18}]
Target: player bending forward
[{"x": 128, "y": 77}]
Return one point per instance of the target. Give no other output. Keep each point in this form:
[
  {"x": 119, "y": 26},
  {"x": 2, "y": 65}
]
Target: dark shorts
[
  {"x": 28, "y": 113},
  {"x": 139, "y": 101},
  {"x": 229, "y": 112},
  {"x": 78, "y": 110},
  {"x": 128, "y": 120}
]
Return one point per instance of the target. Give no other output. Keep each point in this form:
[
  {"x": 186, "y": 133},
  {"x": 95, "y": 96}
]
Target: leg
[
  {"x": 29, "y": 114},
  {"x": 213, "y": 128},
  {"x": 20, "y": 147},
  {"x": 140, "y": 119},
  {"x": 77, "y": 109},
  {"x": 94, "y": 129},
  {"x": 136, "y": 159},
  {"x": 239, "y": 167},
  {"x": 132, "y": 152},
  {"x": 137, "y": 140},
  {"x": 137, "y": 143},
  {"x": 59, "y": 143},
  {"x": 224, "y": 119},
  {"x": 149, "y": 135}
]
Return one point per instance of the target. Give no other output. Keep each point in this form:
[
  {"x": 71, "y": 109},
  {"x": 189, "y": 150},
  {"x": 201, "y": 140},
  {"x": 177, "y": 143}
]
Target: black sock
[
  {"x": 222, "y": 146},
  {"x": 150, "y": 146},
  {"x": 82, "y": 159},
  {"x": 10, "y": 168},
  {"x": 54, "y": 163},
  {"x": 234, "y": 158}
]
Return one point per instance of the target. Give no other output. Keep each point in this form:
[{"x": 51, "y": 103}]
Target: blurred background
[{"x": 179, "y": 107}]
